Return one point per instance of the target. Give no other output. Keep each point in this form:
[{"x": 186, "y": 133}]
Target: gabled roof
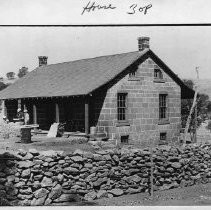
[{"x": 79, "y": 77}]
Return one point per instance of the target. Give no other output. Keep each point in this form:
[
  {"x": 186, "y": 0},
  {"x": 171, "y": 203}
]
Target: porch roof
[{"x": 79, "y": 77}]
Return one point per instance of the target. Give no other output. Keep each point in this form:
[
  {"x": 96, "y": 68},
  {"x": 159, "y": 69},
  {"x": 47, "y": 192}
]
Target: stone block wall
[
  {"x": 54, "y": 178},
  {"x": 143, "y": 106}
]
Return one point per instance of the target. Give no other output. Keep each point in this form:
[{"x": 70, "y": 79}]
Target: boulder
[
  {"x": 34, "y": 152},
  {"x": 176, "y": 165},
  {"x": 39, "y": 201},
  {"x": 116, "y": 192},
  {"x": 55, "y": 192},
  {"x": 28, "y": 156},
  {"x": 76, "y": 158},
  {"x": 41, "y": 193},
  {"x": 25, "y": 173},
  {"x": 25, "y": 164},
  {"x": 102, "y": 194},
  {"x": 90, "y": 196}
]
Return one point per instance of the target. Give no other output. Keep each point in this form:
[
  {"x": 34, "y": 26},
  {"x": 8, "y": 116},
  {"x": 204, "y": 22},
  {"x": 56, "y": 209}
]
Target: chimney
[
  {"x": 42, "y": 60},
  {"x": 143, "y": 43}
]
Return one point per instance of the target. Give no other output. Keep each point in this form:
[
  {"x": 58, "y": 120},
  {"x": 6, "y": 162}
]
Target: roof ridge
[{"x": 87, "y": 59}]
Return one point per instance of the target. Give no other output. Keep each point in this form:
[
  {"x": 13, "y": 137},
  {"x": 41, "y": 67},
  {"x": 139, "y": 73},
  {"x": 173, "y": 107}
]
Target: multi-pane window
[
  {"x": 162, "y": 106},
  {"x": 121, "y": 106},
  {"x": 158, "y": 74}
]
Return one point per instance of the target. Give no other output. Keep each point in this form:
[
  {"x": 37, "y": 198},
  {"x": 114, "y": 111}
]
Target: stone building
[{"x": 128, "y": 96}]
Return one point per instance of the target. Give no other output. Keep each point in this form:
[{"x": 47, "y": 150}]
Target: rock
[
  {"x": 25, "y": 164},
  {"x": 19, "y": 184},
  {"x": 47, "y": 202},
  {"x": 2, "y": 180},
  {"x": 34, "y": 152},
  {"x": 28, "y": 156},
  {"x": 176, "y": 165},
  {"x": 88, "y": 165},
  {"x": 49, "y": 160},
  {"x": 115, "y": 158},
  {"x": 47, "y": 182},
  {"x": 55, "y": 192},
  {"x": 102, "y": 193},
  {"x": 23, "y": 197},
  {"x": 110, "y": 195},
  {"x": 60, "y": 177},
  {"x": 39, "y": 201},
  {"x": 90, "y": 196},
  {"x": 21, "y": 152},
  {"x": 134, "y": 178},
  {"x": 49, "y": 153},
  {"x": 2, "y": 175},
  {"x": 48, "y": 174},
  {"x": 78, "y": 152},
  {"x": 76, "y": 159},
  {"x": 11, "y": 178},
  {"x": 68, "y": 198},
  {"x": 99, "y": 181},
  {"x": 26, "y": 191},
  {"x": 98, "y": 157},
  {"x": 25, "y": 173},
  {"x": 61, "y": 162},
  {"x": 10, "y": 171},
  {"x": 89, "y": 155},
  {"x": 41, "y": 193},
  {"x": 71, "y": 170},
  {"x": 38, "y": 177},
  {"x": 25, "y": 202},
  {"x": 206, "y": 156},
  {"x": 2, "y": 187},
  {"x": 116, "y": 192}
]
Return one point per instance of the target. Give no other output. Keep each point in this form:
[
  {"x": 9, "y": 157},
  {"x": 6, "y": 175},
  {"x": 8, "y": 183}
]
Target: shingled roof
[{"x": 79, "y": 77}]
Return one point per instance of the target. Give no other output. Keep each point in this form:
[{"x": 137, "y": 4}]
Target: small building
[{"x": 128, "y": 96}]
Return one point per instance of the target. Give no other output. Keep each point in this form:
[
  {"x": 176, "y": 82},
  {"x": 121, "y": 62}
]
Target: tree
[
  {"x": 2, "y": 86},
  {"x": 23, "y": 71},
  {"x": 202, "y": 108},
  {"x": 209, "y": 126},
  {"x": 10, "y": 75}
]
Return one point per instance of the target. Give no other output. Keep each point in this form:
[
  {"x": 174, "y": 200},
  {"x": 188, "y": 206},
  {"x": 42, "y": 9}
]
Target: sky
[{"x": 182, "y": 48}]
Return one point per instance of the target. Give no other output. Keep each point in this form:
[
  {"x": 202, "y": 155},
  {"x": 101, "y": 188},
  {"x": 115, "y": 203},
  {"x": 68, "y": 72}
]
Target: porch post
[
  {"x": 4, "y": 108},
  {"x": 57, "y": 113},
  {"x": 34, "y": 114},
  {"x": 86, "y": 115},
  {"x": 19, "y": 103}
]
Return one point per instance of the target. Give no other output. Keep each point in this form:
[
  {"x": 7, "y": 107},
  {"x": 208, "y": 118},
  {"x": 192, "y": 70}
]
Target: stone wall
[
  {"x": 143, "y": 106},
  {"x": 52, "y": 178}
]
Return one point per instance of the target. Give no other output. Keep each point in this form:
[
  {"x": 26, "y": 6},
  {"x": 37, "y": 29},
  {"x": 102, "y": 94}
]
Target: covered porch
[{"x": 73, "y": 111}]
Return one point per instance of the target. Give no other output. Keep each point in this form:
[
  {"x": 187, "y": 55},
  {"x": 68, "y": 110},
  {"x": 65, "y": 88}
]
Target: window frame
[
  {"x": 124, "y": 107},
  {"x": 163, "y": 115},
  {"x": 158, "y": 75}
]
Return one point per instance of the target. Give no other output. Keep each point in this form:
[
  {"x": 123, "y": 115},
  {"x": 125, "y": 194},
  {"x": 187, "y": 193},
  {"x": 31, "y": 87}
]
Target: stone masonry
[{"x": 143, "y": 106}]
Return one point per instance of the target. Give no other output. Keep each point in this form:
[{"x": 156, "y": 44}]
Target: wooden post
[
  {"x": 195, "y": 126},
  {"x": 34, "y": 114},
  {"x": 151, "y": 171},
  {"x": 4, "y": 109},
  {"x": 86, "y": 115},
  {"x": 57, "y": 113},
  {"x": 19, "y": 103}
]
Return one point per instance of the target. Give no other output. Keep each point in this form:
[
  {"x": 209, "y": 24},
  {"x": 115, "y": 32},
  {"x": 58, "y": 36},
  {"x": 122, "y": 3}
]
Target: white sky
[{"x": 181, "y": 48}]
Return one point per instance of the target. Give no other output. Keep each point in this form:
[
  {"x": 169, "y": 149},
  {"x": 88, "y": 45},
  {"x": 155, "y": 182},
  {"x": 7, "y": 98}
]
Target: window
[
  {"x": 124, "y": 139},
  {"x": 163, "y": 138},
  {"x": 158, "y": 74},
  {"x": 132, "y": 74},
  {"x": 121, "y": 106},
  {"x": 162, "y": 106}
]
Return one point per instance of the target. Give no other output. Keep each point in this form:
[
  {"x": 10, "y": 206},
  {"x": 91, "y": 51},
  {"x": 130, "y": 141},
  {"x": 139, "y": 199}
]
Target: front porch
[{"x": 73, "y": 112}]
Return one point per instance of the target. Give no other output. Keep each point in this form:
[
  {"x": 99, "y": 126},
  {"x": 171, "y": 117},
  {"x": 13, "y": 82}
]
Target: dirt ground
[{"x": 42, "y": 143}]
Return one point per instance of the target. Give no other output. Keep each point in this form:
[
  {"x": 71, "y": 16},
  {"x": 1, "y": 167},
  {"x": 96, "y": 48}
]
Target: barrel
[{"x": 25, "y": 135}]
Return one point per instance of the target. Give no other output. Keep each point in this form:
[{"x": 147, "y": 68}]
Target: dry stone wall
[{"x": 53, "y": 178}]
